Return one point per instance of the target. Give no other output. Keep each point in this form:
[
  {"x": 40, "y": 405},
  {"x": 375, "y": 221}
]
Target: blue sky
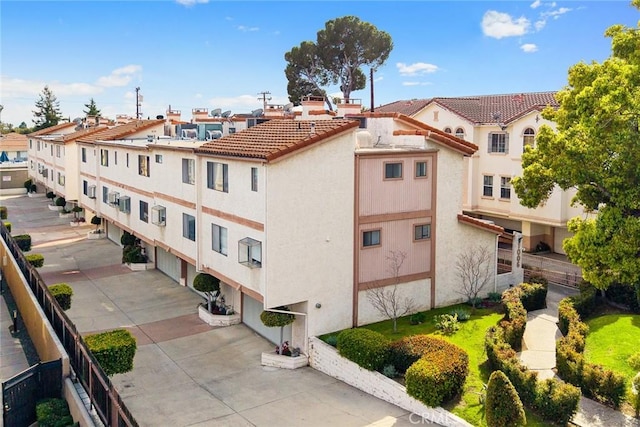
[{"x": 220, "y": 54}]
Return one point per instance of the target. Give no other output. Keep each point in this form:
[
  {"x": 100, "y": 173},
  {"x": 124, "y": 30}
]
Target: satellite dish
[
  {"x": 226, "y": 114},
  {"x": 288, "y": 107},
  {"x": 77, "y": 120},
  {"x": 216, "y": 112},
  {"x": 257, "y": 113}
]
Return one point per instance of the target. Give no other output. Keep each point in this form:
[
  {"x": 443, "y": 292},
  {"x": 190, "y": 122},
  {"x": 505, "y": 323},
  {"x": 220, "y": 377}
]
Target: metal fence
[
  {"x": 104, "y": 397},
  {"x": 555, "y": 271}
]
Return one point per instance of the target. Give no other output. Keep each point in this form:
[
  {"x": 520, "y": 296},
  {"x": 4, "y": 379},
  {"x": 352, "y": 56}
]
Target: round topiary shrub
[
  {"x": 207, "y": 284},
  {"x": 96, "y": 220},
  {"x": 127, "y": 239},
  {"x": 438, "y": 375},
  {"x": 61, "y": 202},
  {"x": 62, "y": 292},
  {"x": 51, "y": 195},
  {"x": 365, "y": 347},
  {"x": 272, "y": 319},
  {"x": 36, "y": 260},
  {"x": 406, "y": 351},
  {"x": 503, "y": 407}
]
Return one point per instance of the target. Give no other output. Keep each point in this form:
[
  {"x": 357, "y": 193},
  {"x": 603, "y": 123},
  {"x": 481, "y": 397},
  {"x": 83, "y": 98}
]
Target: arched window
[
  {"x": 460, "y": 133},
  {"x": 528, "y": 138},
  {"x": 447, "y": 129}
]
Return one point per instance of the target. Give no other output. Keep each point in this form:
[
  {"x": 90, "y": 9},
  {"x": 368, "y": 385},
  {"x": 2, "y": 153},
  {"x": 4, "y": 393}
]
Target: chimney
[
  {"x": 351, "y": 106},
  {"x": 312, "y": 106},
  {"x": 312, "y": 128}
]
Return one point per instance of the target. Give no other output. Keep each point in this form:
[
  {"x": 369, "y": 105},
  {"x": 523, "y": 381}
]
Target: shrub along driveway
[{"x": 185, "y": 372}]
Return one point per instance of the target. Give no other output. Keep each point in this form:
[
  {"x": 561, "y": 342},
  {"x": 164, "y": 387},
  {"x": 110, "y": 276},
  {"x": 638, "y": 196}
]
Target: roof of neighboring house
[
  {"x": 121, "y": 131},
  {"x": 436, "y": 135},
  {"x": 275, "y": 138},
  {"x": 79, "y": 134},
  {"x": 478, "y": 223},
  {"x": 480, "y": 109},
  {"x": 52, "y": 129},
  {"x": 13, "y": 142}
]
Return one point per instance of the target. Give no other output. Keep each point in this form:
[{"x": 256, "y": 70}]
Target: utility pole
[
  {"x": 264, "y": 98},
  {"x": 372, "y": 104},
  {"x": 138, "y": 103}
]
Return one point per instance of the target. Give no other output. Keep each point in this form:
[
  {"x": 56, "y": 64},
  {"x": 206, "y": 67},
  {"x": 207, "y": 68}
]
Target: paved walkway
[
  {"x": 185, "y": 373},
  {"x": 539, "y": 354}
]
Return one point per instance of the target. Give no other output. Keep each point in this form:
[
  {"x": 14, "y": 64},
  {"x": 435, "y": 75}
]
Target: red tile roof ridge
[{"x": 475, "y": 222}]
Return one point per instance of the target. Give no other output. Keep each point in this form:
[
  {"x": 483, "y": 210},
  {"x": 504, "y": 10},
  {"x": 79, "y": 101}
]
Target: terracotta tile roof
[
  {"x": 13, "y": 142},
  {"x": 79, "y": 134},
  {"x": 121, "y": 131},
  {"x": 436, "y": 135},
  {"x": 408, "y": 107},
  {"x": 474, "y": 222},
  {"x": 52, "y": 129},
  {"x": 479, "y": 109},
  {"x": 275, "y": 138}
]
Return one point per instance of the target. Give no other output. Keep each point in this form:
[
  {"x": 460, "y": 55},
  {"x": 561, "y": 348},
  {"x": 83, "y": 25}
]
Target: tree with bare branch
[
  {"x": 386, "y": 299},
  {"x": 475, "y": 270}
]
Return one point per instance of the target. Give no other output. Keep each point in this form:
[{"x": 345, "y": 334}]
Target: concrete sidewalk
[
  {"x": 185, "y": 373},
  {"x": 539, "y": 354}
]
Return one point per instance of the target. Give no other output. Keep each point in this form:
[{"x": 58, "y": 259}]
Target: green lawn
[
  {"x": 611, "y": 340},
  {"x": 471, "y": 338}
]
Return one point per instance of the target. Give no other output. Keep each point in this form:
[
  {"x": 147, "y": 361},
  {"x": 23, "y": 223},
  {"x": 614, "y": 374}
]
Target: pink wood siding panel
[
  {"x": 394, "y": 236},
  {"x": 379, "y": 196}
]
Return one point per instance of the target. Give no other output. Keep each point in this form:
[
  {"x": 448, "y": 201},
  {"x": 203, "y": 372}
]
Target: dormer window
[
  {"x": 447, "y": 130},
  {"x": 460, "y": 133}
]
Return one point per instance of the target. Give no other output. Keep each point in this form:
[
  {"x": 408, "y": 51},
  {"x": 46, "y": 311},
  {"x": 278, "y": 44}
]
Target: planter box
[
  {"x": 95, "y": 236},
  {"x": 217, "y": 319},
  {"x": 284, "y": 362},
  {"x": 55, "y": 208},
  {"x": 66, "y": 215},
  {"x": 35, "y": 194},
  {"x": 140, "y": 266}
]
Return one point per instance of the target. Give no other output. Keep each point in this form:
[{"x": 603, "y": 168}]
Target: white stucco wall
[{"x": 418, "y": 292}]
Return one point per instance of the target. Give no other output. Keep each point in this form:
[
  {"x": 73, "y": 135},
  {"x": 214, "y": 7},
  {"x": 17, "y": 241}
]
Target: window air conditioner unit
[
  {"x": 114, "y": 196},
  {"x": 159, "y": 215},
  {"x": 91, "y": 191},
  {"x": 124, "y": 204}
]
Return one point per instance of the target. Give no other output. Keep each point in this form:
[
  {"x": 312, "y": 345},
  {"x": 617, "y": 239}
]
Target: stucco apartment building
[
  {"x": 300, "y": 212},
  {"x": 501, "y": 126},
  {"x": 13, "y": 165}
]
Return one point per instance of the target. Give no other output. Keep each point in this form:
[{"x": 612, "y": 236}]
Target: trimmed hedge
[
  {"x": 114, "y": 350},
  {"x": 23, "y": 241},
  {"x": 595, "y": 381},
  {"x": 62, "y": 292},
  {"x": 408, "y": 350},
  {"x": 635, "y": 391},
  {"x": 7, "y": 224},
  {"x": 534, "y": 296},
  {"x": 4, "y": 214},
  {"x": 503, "y": 407},
  {"x": 439, "y": 374},
  {"x": 365, "y": 347},
  {"x": 515, "y": 318},
  {"x": 36, "y": 260},
  {"x": 53, "y": 412},
  {"x": 628, "y": 295}
]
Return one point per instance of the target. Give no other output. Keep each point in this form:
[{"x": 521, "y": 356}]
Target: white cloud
[
  {"x": 529, "y": 48},
  {"x": 554, "y": 14},
  {"x": 416, "y": 83},
  {"x": 245, "y": 29},
  {"x": 198, "y": 96},
  {"x": 540, "y": 24},
  {"x": 120, "y": 76},
  {"x": 498, "y": 25},
  {"x": 12, "y": 87},
  {"x": 416, "y": 69},
  {"x": 189, "y": 3},
  {"x": 535, "y": 4},
  {"x": 377, "y": 79}
]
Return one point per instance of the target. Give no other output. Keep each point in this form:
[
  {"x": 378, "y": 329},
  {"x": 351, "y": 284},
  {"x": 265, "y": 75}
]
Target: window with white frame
[
  {"x": 60, "y": 179},
  {"x": 250, "y": 252},
  {"x": 219, "y": 239},
  {"x": 189, "y": 171},
  {"x": 499, "y": 142},
  {"x": 83, "y": 153},
  {"x": 393, "y": 170},
  {"x": 58, "y": 149},
  {"x": 370, "y": 238},
  {"x": 143, "y": 165},
  {"x": 460, "y": 133},
  {"x": 254, "y": 179},
  {"x": 105, "y": 194},
  {"x": 104, "y": 157},
  {"x": 124, "y": 204},
  {"x": 421, "y": 169},
  {"x": 189, "y": 227},
  {"x": 158, "y": 158},
  {"x": 422, "y": 232},
  {"x": 528, "y": 138},
  {"x": 218, "y": 176},
  {"x": 505, "y": 187},
  {"x": 487, "y": 185},
  {"x": 144, "y": 211}
]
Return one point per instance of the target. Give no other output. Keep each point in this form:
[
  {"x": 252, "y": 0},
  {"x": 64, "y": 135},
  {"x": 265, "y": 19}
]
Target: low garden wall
[
  {"x": 326, "y": 359},
  {"x": 76, "y": 405}
]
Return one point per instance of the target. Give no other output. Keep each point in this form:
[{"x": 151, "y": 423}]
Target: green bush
[
  {"x": 23, "y": 241},
  {"x": 367, "y": 348},
  {"x": 61, "y": 202},
  {"x": 587, "y": 302},
  {"x": 390, "y": 371},
  {"x": 624, "y": 294},
  {"x": 406, "y": 351},
  {"x": 417, "y": 318},
  {"x": 27, "y": 185},
  {"x": 51, "y": 195},
  {"x": 36, "y": 260},
  {"x": 635, "y": 391},
  {"x": 461, "y": 314},
  {"x": 114, "y": 350},
  {"x": 438, "y": 375},
  {"x": 52, "y": 412},
  {"x": 539, "y": 279},
  {"x": 133, "y": 254},
  {"x": 128, "y": 239},
  {"x": 447, "y": 323},
  {"x": 557, "y": 401},
  {"x": 534, "y": 296},
  {"x": 494, "y": 296},
  {"x": 515, "y": 318},
  {"x": 34, "y": 188},
  {"x": 62, "y": 292},
  {"x": 503, "y": 407},
  {"x": 7, "y": 225},
  {"x": 634, "y": 361},
  {"x": 3, "y": 212},
  {"x": 332, "y": 340}
]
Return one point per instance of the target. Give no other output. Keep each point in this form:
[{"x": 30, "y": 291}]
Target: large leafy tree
[
  {"x": 344, "y": 46},
  {"x": 47, "y": 111},
  {"x": 596, "y": 150},
  {"x": 92, "y": 108}
]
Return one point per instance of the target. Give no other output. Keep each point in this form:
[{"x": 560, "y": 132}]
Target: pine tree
[
  {"x": 92, "y": 109},
  {"x": 47, "y": 111}
]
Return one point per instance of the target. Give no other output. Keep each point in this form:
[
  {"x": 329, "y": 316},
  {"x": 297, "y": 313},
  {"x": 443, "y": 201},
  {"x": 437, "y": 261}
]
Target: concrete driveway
[{"x": 185, "y": 373}]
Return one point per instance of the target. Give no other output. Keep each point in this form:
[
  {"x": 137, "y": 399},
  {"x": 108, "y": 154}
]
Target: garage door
[
  {"x": 251, "y": 310},
  {"x": 559, "y": 235},
  {"x": 168, "y": 264},
  {"x": 113, "y": 232}
]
